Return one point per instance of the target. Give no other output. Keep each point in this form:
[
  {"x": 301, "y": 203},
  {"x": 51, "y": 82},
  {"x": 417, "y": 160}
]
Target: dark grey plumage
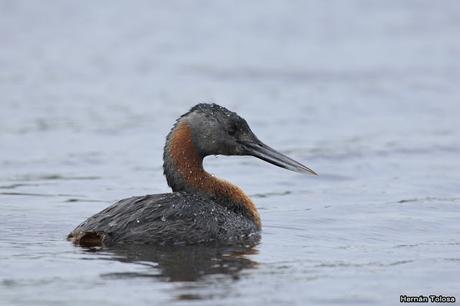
[{"x": 170, "y": 218}]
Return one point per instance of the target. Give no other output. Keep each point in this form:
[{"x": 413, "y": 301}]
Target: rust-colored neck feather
[{"x": 184, "y": 172}]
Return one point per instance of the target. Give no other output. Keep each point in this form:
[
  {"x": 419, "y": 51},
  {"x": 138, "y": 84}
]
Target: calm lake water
[{"x": 366, "y": 93}]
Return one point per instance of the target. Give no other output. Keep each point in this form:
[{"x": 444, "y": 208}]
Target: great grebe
[{"x": 201, "y": 208}]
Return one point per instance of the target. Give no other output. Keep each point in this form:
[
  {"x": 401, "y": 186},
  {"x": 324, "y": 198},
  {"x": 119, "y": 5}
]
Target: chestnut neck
[{"x": 183, "y": 168}]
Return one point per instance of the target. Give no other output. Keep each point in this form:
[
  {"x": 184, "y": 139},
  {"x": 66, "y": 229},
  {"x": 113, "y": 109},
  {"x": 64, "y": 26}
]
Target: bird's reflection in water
[{"x": 184, "y": 263}]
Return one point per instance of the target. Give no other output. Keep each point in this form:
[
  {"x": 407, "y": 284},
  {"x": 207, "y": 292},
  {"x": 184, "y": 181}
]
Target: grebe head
[{"x": 218, "y": 131}]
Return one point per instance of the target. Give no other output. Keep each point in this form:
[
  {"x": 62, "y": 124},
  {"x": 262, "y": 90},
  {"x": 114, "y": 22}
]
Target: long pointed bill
[{"x": 264, "y": 152}]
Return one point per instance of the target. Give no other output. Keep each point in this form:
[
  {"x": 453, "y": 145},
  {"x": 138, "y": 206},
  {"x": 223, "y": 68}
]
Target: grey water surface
[{"x": 366, "y": 93}]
